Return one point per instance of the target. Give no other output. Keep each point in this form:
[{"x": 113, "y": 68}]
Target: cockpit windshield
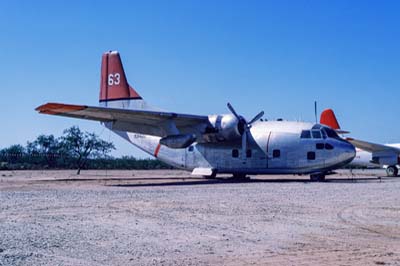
[
  {"x": 316, "y": 134},
  {"x": 319, "y": 131},
  {"x": 331, "y": 133},
  {"x": 317, "y": 126}
]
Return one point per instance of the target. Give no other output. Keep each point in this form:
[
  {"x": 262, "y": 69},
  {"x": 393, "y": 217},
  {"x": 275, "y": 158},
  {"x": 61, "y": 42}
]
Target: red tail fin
[
  {"x": 328, "y": 118},
  {"x": 113, "y": 84}
]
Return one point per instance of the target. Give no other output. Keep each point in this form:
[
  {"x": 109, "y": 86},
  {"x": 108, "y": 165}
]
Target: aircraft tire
[
  {"x": 212, "y": 176},
  {"x": 392, "y": 170},
  {"x": 240, "y": 176},
  {"x": 317, "y": 177}
]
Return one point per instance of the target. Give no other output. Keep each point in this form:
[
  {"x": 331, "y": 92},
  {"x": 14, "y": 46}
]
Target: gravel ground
[{"x": 170, "y": 218}]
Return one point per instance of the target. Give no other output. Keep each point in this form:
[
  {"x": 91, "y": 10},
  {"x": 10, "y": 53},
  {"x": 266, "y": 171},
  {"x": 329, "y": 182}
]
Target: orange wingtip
[{"x": 58, "y": 108}]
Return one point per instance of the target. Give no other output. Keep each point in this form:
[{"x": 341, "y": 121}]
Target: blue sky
[{"x": 195, "y": 56}]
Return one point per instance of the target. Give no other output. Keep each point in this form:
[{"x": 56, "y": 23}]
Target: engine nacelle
[
  {"x": 226, "y": 127},
  {"x": 385, "y": 158},
  {"x": 178, "y": 141}
]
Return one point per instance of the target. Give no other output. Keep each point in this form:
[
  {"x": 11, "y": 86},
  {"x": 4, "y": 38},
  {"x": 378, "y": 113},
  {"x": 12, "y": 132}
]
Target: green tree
[
  {"x": 13, "y": 154},
  {"x": 84, "y": 145},
  {"x": 45, "y": 149}
]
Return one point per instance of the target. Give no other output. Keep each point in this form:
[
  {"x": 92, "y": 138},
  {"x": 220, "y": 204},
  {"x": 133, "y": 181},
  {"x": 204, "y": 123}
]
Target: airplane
[
  {"x": 368, "y": 154},
  {"x": 213, "y": 144}
]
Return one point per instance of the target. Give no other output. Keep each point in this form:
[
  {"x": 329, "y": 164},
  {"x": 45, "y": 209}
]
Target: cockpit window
[
  {"x": 323, "y": 133},
  {"x": 331, "y": 133},
  {"x": 317, "y": 126},
  {"x": 328, "y": 146},
  {"x": 319, "y": 146},
  {"x": 305, "y": 134},
  {"x": 316, "y": 134},
  {"x": 319, "y": 131}
]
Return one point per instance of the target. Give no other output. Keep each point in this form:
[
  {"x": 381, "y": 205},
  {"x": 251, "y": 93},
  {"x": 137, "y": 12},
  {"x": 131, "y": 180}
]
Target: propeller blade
[
  {"x": 244, "y": 145},
  {"x": 233, "y": 111},
  {"x": 256, "y": 118}
]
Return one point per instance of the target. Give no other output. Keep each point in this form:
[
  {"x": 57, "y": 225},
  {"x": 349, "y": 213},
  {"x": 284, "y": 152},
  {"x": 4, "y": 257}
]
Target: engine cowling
[
  {"x": 227, "y": 127},
  {"x": 385, "y": 158}
]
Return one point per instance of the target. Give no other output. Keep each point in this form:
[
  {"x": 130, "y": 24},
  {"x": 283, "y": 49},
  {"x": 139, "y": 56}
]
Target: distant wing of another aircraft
[
  {"x": 381, "y": 154},
  {"x": 139, "y": 121},
  {"x": 373, "y": 147}
]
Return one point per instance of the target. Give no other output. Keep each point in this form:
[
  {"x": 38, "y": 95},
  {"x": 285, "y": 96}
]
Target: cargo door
[{"x": 276, "y": 150}]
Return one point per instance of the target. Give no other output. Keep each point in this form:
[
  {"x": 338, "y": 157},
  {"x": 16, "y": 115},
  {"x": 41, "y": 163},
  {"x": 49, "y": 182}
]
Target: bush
[{"x": 74, "y": 150}]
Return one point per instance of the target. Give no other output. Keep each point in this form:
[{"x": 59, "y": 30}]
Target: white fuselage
[{"x": 276, "y": 147}]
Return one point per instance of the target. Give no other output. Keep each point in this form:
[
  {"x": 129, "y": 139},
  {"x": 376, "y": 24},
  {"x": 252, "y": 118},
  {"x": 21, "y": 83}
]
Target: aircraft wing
[
  {"x": 144, "y": 122},
  {"x": 373, "y": 147}
]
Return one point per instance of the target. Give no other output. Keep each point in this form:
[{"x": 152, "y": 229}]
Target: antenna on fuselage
[{"x": 315, "y": 112}]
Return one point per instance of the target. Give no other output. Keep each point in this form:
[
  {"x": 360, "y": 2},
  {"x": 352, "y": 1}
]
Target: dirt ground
[{"x": 171, "y": 218}]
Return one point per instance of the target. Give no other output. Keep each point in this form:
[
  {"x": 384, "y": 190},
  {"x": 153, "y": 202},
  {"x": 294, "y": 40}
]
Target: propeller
[{"x": 244, "y": 127}]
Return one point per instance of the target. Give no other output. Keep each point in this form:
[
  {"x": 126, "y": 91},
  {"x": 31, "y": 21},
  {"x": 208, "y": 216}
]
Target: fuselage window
[
  {"x": 310, "y": 155},
  {"x": 319, "y": 146},
  {"x": 276, "y": 153},
  {"x": 305, "y": 134},
  {"x": 248, "y": 153},
  {"x": 190, "y": 148},
  {"x": 316, "y": 134},
  {"x": 328, "y": 146},
  {"x": 235, "y": 153}
]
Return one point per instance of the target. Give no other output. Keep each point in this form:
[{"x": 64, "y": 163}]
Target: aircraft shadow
[
  {"x": 220, "y": 181},
  {"x": 116, "y": 179}
]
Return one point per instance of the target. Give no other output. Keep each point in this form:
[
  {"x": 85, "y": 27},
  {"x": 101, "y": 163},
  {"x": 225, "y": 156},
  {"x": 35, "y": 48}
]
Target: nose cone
[
  {"x": 343, "y": 153},
  {"x": 347, "y": 153}
]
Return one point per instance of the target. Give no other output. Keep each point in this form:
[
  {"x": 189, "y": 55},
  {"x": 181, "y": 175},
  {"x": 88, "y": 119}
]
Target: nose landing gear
[{"x": 240, "y": 176}]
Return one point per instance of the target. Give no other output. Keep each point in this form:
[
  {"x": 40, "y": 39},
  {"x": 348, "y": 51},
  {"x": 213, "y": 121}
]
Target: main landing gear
[
  {"x": 240, "y": 176},
  {"x": 212, "y": 176},
  {"x": 392, "y": 170},
  {"x": 319, "y": 177}
]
